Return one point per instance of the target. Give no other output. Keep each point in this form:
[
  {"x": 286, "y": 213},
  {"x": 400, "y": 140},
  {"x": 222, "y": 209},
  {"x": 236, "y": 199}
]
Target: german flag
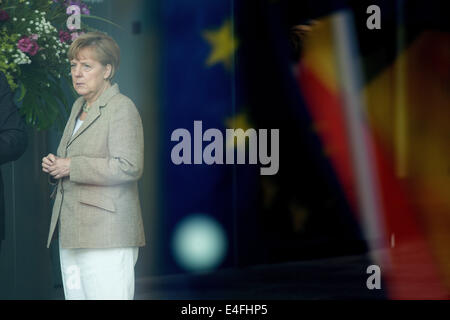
[{"x": 382, "y": 117}]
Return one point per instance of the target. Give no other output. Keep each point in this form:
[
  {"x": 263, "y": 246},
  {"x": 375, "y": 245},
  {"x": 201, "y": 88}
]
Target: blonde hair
[{"x": 105, "y": 48}]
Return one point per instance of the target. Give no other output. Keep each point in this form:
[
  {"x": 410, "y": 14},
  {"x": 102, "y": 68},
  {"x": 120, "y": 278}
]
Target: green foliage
[{"x": 34, "y": 40}]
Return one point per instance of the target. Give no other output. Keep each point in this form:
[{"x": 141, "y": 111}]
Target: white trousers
[{"x": 98, "y": 274}]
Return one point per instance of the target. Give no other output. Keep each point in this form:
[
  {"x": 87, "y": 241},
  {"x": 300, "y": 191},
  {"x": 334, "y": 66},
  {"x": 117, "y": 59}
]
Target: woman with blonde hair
[{"x": 98, "y": 164}]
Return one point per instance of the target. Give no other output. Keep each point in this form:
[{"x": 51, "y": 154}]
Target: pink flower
[
  {"x": 64, "y": 36},
  {"x": 83, "y": 7},
  {"x": 4, "y": 15},
  {"x": 28, "y": 45}
]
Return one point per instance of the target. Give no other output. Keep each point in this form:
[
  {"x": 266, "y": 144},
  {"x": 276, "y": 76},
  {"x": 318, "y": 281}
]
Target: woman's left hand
[{"x": 60, "y": 168}]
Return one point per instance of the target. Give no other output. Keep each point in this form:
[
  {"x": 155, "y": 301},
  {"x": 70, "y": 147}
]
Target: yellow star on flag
[
  {"x": 238, "y": 121},
  {"x": 223, "y": 45}
]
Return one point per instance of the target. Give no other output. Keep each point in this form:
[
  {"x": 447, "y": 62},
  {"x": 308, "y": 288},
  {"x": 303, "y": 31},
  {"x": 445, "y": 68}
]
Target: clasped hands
[{"x": 55, "y": 166}]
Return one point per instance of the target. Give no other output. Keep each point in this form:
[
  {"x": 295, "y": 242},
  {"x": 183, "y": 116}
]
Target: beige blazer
[{"x": 98, "y": 206}]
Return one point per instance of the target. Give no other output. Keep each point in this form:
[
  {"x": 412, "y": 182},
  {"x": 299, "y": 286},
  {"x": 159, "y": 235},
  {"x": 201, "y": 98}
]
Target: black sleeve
[{"x": 13, "y": 137}]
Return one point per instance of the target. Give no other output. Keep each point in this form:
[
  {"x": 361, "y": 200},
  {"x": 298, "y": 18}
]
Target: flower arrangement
[{"x": 34, "y": 38}]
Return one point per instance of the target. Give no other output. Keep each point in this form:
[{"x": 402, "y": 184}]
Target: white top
[{"x": 77, "y": 126}]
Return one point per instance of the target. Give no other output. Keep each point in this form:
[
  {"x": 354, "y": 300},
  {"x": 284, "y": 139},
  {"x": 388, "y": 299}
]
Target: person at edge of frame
[{"x": 13, "y": 140}]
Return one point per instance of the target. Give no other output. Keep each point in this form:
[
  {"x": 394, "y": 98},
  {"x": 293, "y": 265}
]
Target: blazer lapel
[
  {"x": 70, "y": 125},
  {"x": 93, "y": 114}
]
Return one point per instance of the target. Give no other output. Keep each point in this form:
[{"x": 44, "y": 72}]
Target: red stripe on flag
[
  {"x": 414, "y": 273},
  {"x": 326, "y": 111}
]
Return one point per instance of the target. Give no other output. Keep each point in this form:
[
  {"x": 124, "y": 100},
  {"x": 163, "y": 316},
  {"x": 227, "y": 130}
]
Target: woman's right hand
[{"x": 47, "y": 162}]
